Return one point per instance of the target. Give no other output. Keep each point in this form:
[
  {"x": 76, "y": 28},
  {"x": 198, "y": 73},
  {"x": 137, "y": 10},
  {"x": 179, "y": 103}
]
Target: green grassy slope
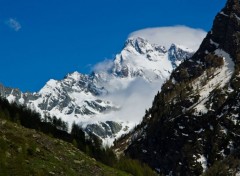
[{"x": 28, "y": 152}]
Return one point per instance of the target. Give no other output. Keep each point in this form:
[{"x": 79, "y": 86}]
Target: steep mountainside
[
  {"x": 85, "y": 98},
  {"x": 193, "y": 123},
  {"x": 28, "y": 152}
]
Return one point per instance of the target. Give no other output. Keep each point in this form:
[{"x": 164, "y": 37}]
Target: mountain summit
[
  {"x": 89, "y": 99},
  {"x": 150, "y": 61},
  {"x": 193, "y": 124},
  {"x": 225, "y": 30}
]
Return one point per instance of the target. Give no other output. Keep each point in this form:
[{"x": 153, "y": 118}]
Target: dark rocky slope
[{"x": 193, "y": 124}]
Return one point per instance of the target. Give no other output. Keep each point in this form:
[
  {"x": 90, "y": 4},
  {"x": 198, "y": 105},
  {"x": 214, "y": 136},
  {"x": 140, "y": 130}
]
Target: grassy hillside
[{"x": 28, "y": 152}]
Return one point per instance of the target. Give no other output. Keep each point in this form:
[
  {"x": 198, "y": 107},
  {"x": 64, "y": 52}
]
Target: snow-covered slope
[
  {"x": 73, "y": 97},
  {"x": 139, "y": 58},
  {"x": 93, "y": 101},
  {"x": 218, "y": 80}
]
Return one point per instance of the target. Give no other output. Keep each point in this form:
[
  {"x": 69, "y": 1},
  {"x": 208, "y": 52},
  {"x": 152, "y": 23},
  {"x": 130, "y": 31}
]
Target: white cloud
[
  {"x": 103, "y": 66},
  {"x": 14, "y": 24},
  {"x": 134, "y": 99},
  {"x": 134, "y": 96},
  {"x": 165, "y": 36}
]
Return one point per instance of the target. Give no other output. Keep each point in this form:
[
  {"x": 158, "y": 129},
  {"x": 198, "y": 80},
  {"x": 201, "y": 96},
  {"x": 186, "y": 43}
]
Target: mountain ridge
[{"x": 82, "y": 98}]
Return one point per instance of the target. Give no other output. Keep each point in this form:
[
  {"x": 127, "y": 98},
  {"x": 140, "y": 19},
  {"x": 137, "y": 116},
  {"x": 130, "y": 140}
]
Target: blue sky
[{"x": 44, "y": 39}]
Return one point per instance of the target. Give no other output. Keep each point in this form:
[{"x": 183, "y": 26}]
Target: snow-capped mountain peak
[
  {"x": 75, "y": 76},
  {"x": 87, "y": 99},
  {"x": 139, "y": 58},
  {"x": 139, "y": 45},
  {"x": 142, "y": 46}
]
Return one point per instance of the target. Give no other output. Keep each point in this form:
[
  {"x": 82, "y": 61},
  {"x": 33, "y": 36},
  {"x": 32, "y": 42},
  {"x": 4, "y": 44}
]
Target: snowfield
[{"x": 221, "y": 77}]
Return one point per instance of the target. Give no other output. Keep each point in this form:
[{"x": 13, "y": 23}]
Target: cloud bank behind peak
[{"x": 165, "y": 36}]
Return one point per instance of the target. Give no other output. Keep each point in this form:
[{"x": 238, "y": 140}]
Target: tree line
[{"x": 57, "y": 128}]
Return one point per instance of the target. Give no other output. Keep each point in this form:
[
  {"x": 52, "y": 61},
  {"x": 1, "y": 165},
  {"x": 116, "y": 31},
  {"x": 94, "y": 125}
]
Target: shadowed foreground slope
[{"x": 28, "y": 152}]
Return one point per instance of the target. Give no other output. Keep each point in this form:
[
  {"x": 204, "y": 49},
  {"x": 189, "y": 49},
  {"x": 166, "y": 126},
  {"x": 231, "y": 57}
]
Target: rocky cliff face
[
  {"x": 84, "y": 98},
  {"x": 193, "y": 124}
]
